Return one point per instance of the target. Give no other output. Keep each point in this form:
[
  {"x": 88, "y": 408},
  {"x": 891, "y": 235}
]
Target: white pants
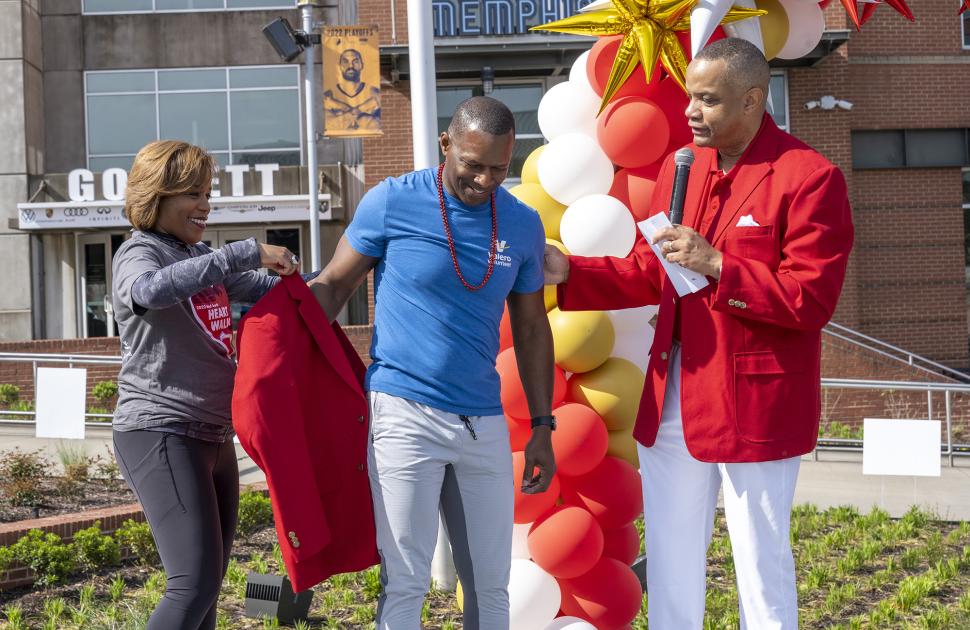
[
  {"x": 679, "y": 499},
  {"x": 421, "y": 460}
]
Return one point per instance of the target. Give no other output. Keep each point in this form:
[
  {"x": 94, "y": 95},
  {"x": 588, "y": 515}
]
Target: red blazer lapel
[{"x": 327, "y": 341}]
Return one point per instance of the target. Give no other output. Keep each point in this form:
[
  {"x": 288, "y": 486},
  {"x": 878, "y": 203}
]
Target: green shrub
[
  {"x": 255, "y": 512},
  {"x": 75, "y": 461},
  {"x": 21, "y": 475},
  {"x": 95, "y": 550},
  {"x": 9, "y": 394},
  {"x": 105, "y": 391},
  {"x": 138, "y": 537},
  {"x": 46, "y": 554},
  {"x": 6, "y": 557}
]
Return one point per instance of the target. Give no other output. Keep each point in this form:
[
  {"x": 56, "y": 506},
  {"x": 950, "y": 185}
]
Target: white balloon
[
  {"x": 572, "y": 166},
  {"x": 597, "y": 5},
  {"x": 578, "y": 74},
  {"x": 805, "y": 27},
  {"x": 569, "y": 623},
  {"x": 598, "y": 225},
  {"x": 632, "y": 319},
  {"x": 749, "y": 29},
  {"x": 634, "y": 347},
  {"x": 520, "y": 541},
  {"x": 534, "y": 596},
  {"x": 704, "y": 19},
  {"x": 568, "y": 107}
]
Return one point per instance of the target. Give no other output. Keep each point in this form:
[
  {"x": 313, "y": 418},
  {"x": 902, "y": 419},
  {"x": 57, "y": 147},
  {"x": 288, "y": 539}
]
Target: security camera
[
  {"x": 285, "y": 41},
  {"x": 810, "y": 105},
  {"x": 846, "y": 105}
]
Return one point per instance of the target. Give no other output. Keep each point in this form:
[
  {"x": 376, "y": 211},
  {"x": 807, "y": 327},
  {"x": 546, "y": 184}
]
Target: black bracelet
[{"x": 544, "y": 421}]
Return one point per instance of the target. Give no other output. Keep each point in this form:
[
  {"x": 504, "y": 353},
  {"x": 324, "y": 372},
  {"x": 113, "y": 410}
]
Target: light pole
[{"x": 310, "y": 90}]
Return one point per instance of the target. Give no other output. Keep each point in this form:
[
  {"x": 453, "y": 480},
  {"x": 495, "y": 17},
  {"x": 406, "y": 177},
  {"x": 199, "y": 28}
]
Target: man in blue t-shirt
[{"x": 450, "y": 247}]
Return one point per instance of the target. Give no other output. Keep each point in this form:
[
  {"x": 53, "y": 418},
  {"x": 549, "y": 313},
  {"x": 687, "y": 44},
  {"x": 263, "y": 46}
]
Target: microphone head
[{"x": 684, "y": 157}]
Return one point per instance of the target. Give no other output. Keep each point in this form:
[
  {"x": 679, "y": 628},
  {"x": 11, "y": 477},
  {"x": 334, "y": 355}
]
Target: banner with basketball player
[{"x": 351, "y": 81}]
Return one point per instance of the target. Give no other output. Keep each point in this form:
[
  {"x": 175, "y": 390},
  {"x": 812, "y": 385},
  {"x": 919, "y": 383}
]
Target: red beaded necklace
[{"x": 493, "y": 248}]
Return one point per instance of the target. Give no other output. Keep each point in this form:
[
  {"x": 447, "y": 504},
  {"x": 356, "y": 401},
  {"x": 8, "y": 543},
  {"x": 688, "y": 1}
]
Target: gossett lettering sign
[
  {"x": 470, "y": 18},
  {"x": 70, "y": 215}
]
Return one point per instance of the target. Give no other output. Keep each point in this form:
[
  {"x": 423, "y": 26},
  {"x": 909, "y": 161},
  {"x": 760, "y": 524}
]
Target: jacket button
[
  {"x": 742, "y": 305},
  {"x": 663, "y": 356},
  {"x": 360, "y": 467},
  {"x": 360, "y": 419},
  {"x": 732, "y": 302}
]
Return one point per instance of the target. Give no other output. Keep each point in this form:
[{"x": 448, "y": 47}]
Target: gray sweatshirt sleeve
[
  {"x": 249, "y": 286},
  {"x": 179, "y": 281}
]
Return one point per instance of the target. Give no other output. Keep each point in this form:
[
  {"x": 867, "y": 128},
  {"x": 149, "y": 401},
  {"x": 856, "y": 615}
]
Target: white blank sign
[
  {"x": 60, "y": 402},
  {"x": 901, "y": 447}
]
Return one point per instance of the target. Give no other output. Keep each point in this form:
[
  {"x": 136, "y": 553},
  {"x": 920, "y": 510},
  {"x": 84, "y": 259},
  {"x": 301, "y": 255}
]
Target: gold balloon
[
  {"x": 649, "y": 29},
  {"x": 583, "y": 339},
  {"x": 621, "y": 444},
  {"x": 530, "y": 168},
  {"x": 774, "y": 26},
  {"x": 549, "y": 293},
  {"x": 612, "y": 390},
  {"x": 550, "y": 211}
]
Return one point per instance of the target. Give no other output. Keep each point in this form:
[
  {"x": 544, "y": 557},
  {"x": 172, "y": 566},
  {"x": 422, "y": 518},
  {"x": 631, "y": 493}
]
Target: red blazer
[
  {"x": 300, "y": 412},
  {"x": 751, "y": 342}
]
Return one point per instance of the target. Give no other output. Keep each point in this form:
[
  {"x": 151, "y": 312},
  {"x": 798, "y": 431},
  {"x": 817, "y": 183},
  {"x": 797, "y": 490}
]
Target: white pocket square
[{"x": 747, "y": 221}]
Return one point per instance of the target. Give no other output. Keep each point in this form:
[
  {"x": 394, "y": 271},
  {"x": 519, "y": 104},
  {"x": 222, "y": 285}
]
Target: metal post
[
  {"x": 310, "y": 93},
  {"x": 949, "y": 426},
  {"x": 424, "y": 132}
]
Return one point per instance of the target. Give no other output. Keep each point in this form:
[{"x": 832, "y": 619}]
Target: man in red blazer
[
  {"x": 732, "y": 390},
  {"x": 312, "y": 447}
]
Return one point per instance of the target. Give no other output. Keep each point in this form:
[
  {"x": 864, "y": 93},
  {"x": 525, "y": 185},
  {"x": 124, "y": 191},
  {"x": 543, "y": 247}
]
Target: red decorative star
[
  {"x": 964, "y": 6},
  {"x": 867, "y": 11}
]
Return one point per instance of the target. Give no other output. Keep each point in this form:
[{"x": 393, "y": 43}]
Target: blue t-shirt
[{"x": 435, "y": 342}]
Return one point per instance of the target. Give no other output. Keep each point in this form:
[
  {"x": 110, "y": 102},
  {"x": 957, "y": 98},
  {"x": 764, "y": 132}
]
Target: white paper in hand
[{"x": 684, "y": 280}]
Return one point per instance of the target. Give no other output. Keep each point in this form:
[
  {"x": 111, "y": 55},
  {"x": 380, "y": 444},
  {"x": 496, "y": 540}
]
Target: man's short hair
[
  {"x": 482, "y": 113},
  {"x": 746, "y": 66}
]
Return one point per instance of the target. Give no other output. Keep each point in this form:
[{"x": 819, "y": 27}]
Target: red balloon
[
  {"x": 566, "y": 542},
  {"x": 672, "y": 99},
  {"x": 529, "y": 507},
  {"x": 633, "y": 131},
  {"x": 580, "y": 439},
  {"x": 519, "y": 432},
  {"x": 634, "y": 187},
  {"x": 607, "y": 596},
  {"x": 600, "y": 63},
  {"x": 611, "y": 492},
  {"x": 505, "y": 331},
  {"x": 514, "y": 402},
  {"x": 622, "y": 544}
]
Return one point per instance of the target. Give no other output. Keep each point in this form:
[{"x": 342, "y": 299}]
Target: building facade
[{"x": 85, "y": 83}]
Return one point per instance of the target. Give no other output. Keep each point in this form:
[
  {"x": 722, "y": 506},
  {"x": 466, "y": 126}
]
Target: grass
[{"x": 855, "y": 572}]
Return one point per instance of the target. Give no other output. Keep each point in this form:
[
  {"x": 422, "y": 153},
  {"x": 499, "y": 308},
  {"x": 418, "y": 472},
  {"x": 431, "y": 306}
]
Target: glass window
[
  {"x": 966, "y": 188},
  {"x": 120, "y": 124},
  {"x": 778, "y": 99},
  {"x": 878, "y": 149},
  {"x": 214, "y": 79},
  {"x": 113, "y": 82},
  {"x": 965, "y": 26},
  {"x": 935, "y": 147},
  {"x": 148, "y": 6},
  {"x": 256, "y": 119},
  {"x": 199, "y": 118},
  {"x": 522, "y": 99}
]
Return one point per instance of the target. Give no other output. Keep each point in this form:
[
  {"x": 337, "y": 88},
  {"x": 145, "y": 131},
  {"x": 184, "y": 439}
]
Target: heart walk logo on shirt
[
  {"x": 212, "y": 313},
  {"x": 500, "y": 257}
]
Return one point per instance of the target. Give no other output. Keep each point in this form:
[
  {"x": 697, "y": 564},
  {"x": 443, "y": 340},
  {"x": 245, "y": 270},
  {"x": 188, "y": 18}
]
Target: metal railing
[
  {"x": 949, "y": 390},
  {"x": 36, "y": 359},
  {"x": 895, "y": 353}
]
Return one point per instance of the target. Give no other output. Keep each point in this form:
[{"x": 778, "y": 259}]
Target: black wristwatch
[{"x": 544, "y": 421}]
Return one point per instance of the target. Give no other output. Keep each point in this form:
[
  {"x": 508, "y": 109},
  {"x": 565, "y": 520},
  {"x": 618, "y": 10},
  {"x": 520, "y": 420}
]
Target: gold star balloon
[{"x": 649, "y": 29}]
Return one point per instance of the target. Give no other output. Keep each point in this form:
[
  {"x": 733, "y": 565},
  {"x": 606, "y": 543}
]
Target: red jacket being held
[{"x": 300, "y": 411}]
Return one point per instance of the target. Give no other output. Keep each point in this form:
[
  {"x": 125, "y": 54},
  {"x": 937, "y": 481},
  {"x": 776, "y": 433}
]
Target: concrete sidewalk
[{"x": 834, "y": 479}]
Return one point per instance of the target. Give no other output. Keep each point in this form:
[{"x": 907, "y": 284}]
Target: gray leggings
[{"x": 189, "y": 490}]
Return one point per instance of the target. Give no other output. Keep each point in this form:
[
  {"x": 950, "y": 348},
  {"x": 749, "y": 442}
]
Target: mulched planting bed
[{"x": 86, "y": 495}]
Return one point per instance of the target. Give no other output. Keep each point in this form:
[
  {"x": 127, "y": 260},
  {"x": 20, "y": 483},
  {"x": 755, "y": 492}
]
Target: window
[
  {"x": 910, "y": 148},
  {"x": 778, "y": 98},
  {"x": 243, "y": 115},
  {"x": 965, "y": 27},
  {"x": 522, "y": 98},
  {"x": 172, "y": 6}
]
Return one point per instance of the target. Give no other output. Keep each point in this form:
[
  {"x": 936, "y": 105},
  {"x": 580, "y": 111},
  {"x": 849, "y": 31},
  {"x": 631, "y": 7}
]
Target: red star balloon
[
  {"x": 964, "y": 6},
  {"x": 853, "y": 10}
]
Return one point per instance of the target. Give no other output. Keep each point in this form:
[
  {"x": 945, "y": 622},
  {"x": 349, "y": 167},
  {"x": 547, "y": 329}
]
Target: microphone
[{"x": 682, "y": 159}]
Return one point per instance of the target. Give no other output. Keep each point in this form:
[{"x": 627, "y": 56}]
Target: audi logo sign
[{"x": 75, "y": 212}]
